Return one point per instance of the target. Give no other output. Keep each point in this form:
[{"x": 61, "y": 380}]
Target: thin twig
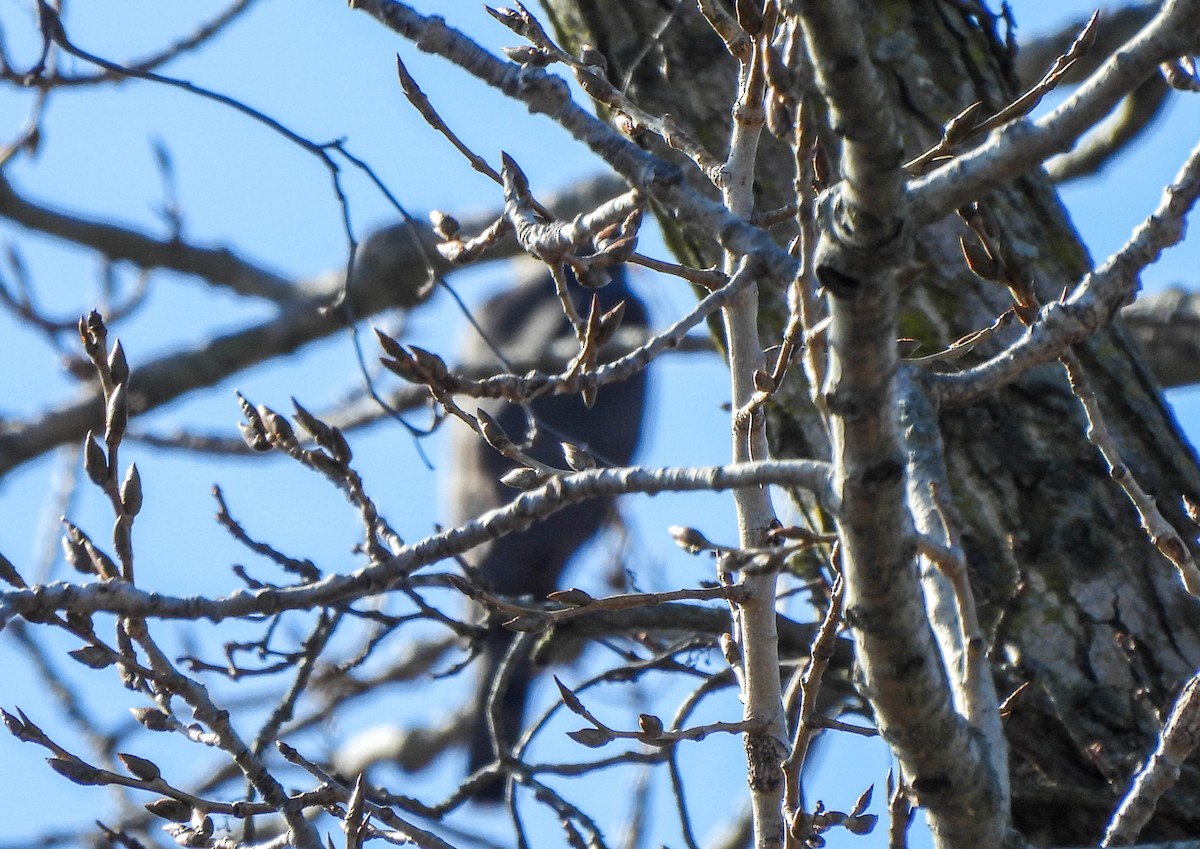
[
  {"x": 1180, "y": 737},
  {"x": 1162, "y": 534}
]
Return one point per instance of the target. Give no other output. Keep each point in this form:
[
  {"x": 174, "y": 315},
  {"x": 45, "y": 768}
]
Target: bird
[{"x": 521, "y": 324}]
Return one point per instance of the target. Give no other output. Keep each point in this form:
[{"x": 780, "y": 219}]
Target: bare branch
[
  {"x": 118, "y": 597},
  {"x": 389, "y": 272},
  {"x": 948, "y": 597},
  {"x": 864, "y": 240},
  {"x": 1020, "y": 146},
  {"x": 1164, "y": 537},
  {"x": 1178, "y": 740},
  {"x": 546, "y": 94},
  {"x": 1093, "y": 302},
  {"x": 1166, "y": 326},
  {"x": 204, "y": 33},
  {"x": 218, "y": 266}
]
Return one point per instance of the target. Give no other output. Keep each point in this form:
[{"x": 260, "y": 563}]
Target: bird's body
[{"x": 523, "y": 323}]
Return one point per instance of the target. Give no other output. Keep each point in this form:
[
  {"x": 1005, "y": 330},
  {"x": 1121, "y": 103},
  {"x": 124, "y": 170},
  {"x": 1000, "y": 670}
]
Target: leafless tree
[{"x": 998, "y": 543}]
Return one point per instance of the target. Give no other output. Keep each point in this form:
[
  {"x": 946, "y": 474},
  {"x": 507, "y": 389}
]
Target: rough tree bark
[{"x": 1075, "y": 600}]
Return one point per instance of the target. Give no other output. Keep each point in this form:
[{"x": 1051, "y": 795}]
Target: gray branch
[
  {"x": 1138, "y": 110},
  {"x": 219, "y": 266},
  {"x": 1167, "y": 327},
  {"x": 124, "y": 599},
  {"x": 865, "y": 238},
  {"x": 1023, "y": 145},
  {"x": 391, "y": 271},
  {"x": 1093, "y": 303}
]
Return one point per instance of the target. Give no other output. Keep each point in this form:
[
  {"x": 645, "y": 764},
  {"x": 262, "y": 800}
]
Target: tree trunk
[{"x": 1076, "y": 601}]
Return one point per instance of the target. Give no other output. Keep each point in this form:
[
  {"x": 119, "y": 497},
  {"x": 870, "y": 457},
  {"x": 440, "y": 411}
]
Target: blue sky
[{"x": 327, "y": 72}]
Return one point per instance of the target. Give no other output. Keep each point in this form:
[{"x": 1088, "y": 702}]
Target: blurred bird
[{"x": 523, "y": 324}]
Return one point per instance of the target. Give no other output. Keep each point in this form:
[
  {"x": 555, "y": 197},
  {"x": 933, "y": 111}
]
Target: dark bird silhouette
[{"x": 523, "y": 324}]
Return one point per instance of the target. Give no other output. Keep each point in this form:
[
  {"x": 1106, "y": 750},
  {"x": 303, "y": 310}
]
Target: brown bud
[
  {"x": 93, "y": 334},
  {"x": 452, "y": 250},
  {"x": 247, "y": 408},
  {"x": 570, "y": 701},
  {"x": 598, "y": 87},
  {"x": 578, "y": 458},
  {"x": 651, "y": 725},
  {"x": 572, "y": 597},
  {"x": 592, "y": 57},
  {"x": 444, "y": 225},
  {"x": 981, "y": 262},
  {"x": 532, "y": 57},
  {"x": 390, "y": 345},
  {"x": 278, "y": 429},
  {"x": 593, "y": 277},
  {"x": 311, "y": 424},
  {"x": 354, "y": 805},
  {"x": 962, "y": 124},
  {"x": 85, "y": 337},
  {"x": 750, "y": 16},
  {"x": 75, "y": 549},
  {"x": 118, "y": 367},
  {"x": 116, "y": 416},
  {"x": 800, "y": 827},
  {"x": 864, "y": 801},
  {"x": 170, "y": 809},
  {"x": 780, "y": 122},
  {"x": 403, "y": 367},
  {"x": 93, "y": 657},
  {"x": 690, "y": 539},
  {"x": 122, "y": 541},
  {"x": 140, "y": 767},
  {"x": 10, "y": 575},
  {"x": 78, "y": 772},
  {"x": 327, "y": 436},
  {"x": 131, "y": 492},
  {"x": 21, "y": 728},
  {"x": 530, "y": 623},
  {"x": 515, "y": 181},
  {"x": 430, "y": 363},
  {"x": 626, "y": 125},
  {"x": 1084, "y": 41},
  {"x": 593, "y": 738},
  {"x": 463, "y": 586},
  {"x": 510, "y": 18},
  {"x": 335, "y": 443},
  {"x": 523, "y": 478},
  {"x": 96, "y": 326},
  {"x": 202, "y": 825},
  {"x": 730, "y": 650},
  {"x": 182, "y": 834},
  {"x": 491, "y": 431},
  {"x": 610, "y": 323},
  {"x": 254, "y": 438},
  {"x": 105, "y": 567},
  {"x": 608, "y": 234},
  {"x": 861, "y": 824},
  {"x": 254, "y": 432},
  {"x": 94, "y": 461},
  {"x": 821, "y": 167},
  {"x": 153, "y": 719}
]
